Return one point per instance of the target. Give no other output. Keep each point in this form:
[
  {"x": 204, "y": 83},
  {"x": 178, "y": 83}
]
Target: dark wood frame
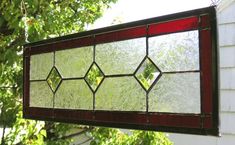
[{"x": 205, "y": 123}]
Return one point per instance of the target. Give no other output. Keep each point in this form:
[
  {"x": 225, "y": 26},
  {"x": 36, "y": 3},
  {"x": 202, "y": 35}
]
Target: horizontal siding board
[
  {"x": 227, "y": 34},
  {"x": 227, "y": 100},
  {"x": 227, "y": 123},
  {"x": 227, "y": 78},
  {"x": 227, "y": 56},
  {"x": 184, "y": 139},
  {"x": 226, "y": 140},
  {"x": 227, "y": 15}
]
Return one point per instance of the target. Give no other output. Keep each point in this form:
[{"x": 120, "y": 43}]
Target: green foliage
[
  {"x": 106, "y": 136},
  {"x": 24, "y": 21},
  {"x": 9, "y": 106},
  {"x": 26, "y": 132}
]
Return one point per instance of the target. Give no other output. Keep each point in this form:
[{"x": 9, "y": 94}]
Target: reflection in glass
[{"x": 176, "y": 93}]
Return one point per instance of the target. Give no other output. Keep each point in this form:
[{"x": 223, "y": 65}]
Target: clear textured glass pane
[
  {"x": 74, "y": 62},
  {"x": 40, "y": 66},
  {"x": 54, "y": 79},
  {"x": 175, "y": 52},
  {"x": 40, "y": 95},
  {"x": 120, "y": 57},
  {"x": 147, "y": 73},
  {"x": 176, "y": 93},
  {"x": 122, "y": 94},
  {"x": 74, "y": 94},
  {"x": 94, "y": 77}
]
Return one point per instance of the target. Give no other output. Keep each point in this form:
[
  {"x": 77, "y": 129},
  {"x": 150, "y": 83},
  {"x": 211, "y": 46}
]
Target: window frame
[{"x": 205, "y": 123}]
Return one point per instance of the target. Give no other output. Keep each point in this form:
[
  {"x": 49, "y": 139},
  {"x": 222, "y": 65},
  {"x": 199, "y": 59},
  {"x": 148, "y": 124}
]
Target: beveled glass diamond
[
  {"x": 94, "y": 76},
  {"x": 147, "y": 73},
  {"x": 54, "y": 79}
]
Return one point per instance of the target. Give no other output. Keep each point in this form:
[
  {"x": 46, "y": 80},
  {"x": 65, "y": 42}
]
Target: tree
[{"x": 24, "y": 21}]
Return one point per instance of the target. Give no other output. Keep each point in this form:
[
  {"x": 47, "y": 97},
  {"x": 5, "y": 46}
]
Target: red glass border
[
  {"x": 26, "y": 65},
  {"x": 206, "y": 70},
  {"x": 205, "y": 21},
  {"x": 66, "y": 44},
  {"x": 173, "y": 26},
  {"x": 175, "y": 120},
  {"x": 121, "y": 35}
]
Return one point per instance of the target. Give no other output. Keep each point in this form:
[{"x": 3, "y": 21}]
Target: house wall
[{"x": 226, "y": 39}]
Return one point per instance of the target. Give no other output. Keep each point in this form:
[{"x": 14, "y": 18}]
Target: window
[{"x": 154, "y": 74}]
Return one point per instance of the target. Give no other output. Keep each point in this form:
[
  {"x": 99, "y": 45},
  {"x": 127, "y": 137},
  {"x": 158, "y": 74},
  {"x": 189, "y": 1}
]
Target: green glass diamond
[
  {"x": 147, "y": 73},
  {"x": 94, "y": 77},
  {"x": 54, "y": 79}
]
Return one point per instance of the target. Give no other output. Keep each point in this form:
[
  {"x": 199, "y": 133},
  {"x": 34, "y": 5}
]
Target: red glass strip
[
  {"x": 79, "y": 42},
  {"x": 175, "y": 120},
  {"x": 26, "y": 69},
  {"x": 205, "y": 21},
  {"x": 38, "y": 113},
  {"x": 207, "y": 122},
  {"x": 66, "y": 114},
  {"x": 121, "y": 35},
  {"x": 42, "y": 49},
  {"x": 206, "y": 70},
  {"x": 120, "y": 117},
  {"x": 75, "y": 43},
  {"x": 173, "y": 26}
]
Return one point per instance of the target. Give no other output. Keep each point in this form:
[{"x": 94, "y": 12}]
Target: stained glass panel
[{"x": 146, "y": 75}]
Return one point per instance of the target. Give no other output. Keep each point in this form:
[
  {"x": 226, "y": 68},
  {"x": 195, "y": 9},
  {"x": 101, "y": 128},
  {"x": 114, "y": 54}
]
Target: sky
[{"x": 132, "y": 10}]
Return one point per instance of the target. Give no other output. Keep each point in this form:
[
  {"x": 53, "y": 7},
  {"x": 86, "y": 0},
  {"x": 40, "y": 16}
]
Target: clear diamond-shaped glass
[
  {"x": 94, "y": 76},
  {"x": 54, "y": 79},
  {"x": 147, "y": 73}
]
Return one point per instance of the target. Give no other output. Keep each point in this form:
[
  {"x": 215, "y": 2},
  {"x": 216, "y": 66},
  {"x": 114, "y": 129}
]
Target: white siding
[
  {"x": 227, "y": 123},
  {"x": 183, "y": 139},
  {"x": 225, "y": 53},
  {"x": 226, "y": 30},
  {"x": 226, "y": 139},
  {"x": 227, "y": 34},
  {"x": 227, "y": 101},
  {"x": 227, "y": 78},
  {"x": 226, "y": 15}
]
